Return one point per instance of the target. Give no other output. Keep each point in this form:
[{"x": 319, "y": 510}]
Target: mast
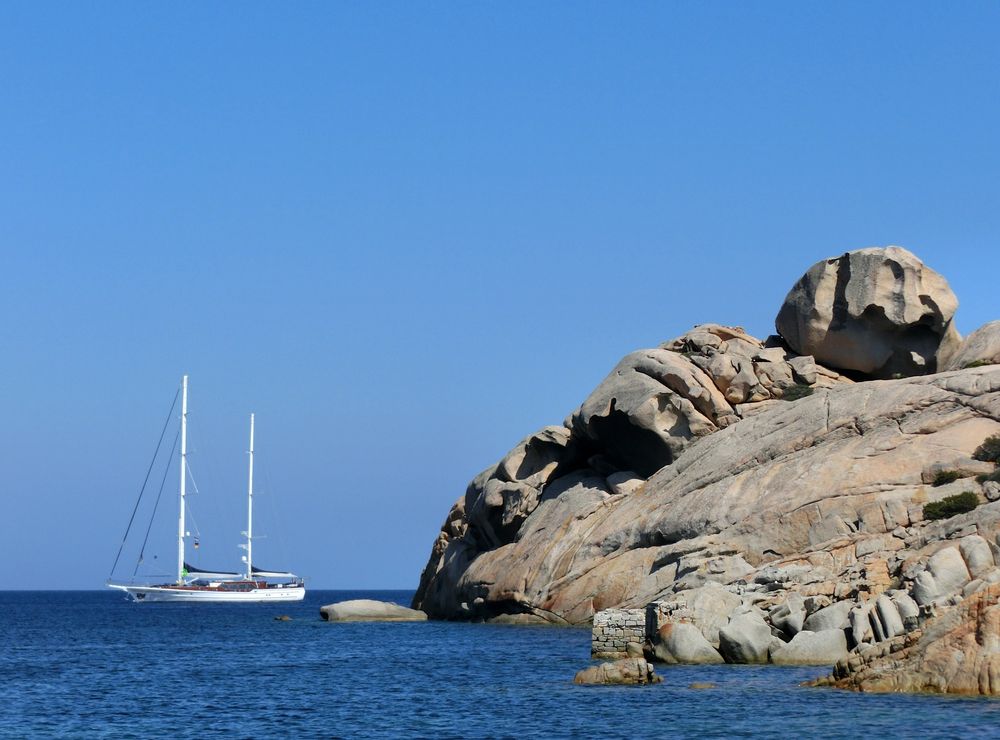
[
  {"x": 180, "y": 519},
  {"x": 249, "y": 532}
]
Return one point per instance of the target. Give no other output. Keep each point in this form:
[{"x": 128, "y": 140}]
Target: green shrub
[
  {"x": 795, "y": 392},
  {"x": 951, "y": 505},
  {"x": 989, "y": 450},
  {"x": 944, "y": 477},
  {"x": 994, "y": 476},
  {"x": 977, "y": 363}
]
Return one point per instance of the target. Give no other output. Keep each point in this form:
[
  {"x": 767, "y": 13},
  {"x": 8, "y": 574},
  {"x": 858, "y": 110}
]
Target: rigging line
[
  {"x": 190, "y": 475},
  {"x": 273, "y": 509},
  {"x": 190, "y": 509},
  {"x": 156, "y": 505},
  {"x": 145, "y": 481},
  {"x": 197, "y": 532}
]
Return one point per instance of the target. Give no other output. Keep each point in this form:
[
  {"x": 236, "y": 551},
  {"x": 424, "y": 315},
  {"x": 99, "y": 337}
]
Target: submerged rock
[
  {"x": 628, "y": 671},
  {"x": 368, "y": 610}
]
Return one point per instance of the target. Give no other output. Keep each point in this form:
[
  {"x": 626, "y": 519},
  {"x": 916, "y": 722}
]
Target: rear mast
[
  {"x": 180, "y": 519},
  {"x": 249, "y": 532}
]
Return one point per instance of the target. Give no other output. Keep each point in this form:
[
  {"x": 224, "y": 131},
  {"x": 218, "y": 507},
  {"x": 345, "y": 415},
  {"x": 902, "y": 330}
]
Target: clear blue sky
[{"x": 407, "y": 234}]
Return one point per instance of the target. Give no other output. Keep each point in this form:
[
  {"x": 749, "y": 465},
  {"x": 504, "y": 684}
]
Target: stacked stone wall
[{"x": 614, "y": 629}]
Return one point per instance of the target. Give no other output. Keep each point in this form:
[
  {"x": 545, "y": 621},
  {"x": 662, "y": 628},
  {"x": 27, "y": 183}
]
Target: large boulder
[
  {"x": 812, "y": 648},
  {"x": 367, "y": 610},
  {"x": 833, "y": 617},
  {"x": 627, "y": 671},
  {"x": 981, "y": 347},
  {"x": 746, "y": 639},
  {"x": 681, "y": 642},
  {"x": 789, "y": 616},
  {"x": 707, "y": 607},
  {"x": 879, "y": 312},
  {"x": 945, "y": 575}
]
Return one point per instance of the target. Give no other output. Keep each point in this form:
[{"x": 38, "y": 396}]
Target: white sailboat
[{"x": 196, "y": 585}]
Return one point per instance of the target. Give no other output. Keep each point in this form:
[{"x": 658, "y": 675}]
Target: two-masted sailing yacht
[{"x": 196, "y": 585}]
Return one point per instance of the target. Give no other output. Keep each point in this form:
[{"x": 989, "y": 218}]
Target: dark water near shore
[{"x": 90, "y": 664}]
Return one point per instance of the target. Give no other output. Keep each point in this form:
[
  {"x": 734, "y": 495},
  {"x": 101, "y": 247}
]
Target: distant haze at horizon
[{"x": 406, "y": 236}]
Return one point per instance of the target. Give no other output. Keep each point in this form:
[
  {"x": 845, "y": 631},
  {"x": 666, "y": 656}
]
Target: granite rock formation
[
  {"x": 981, "y": 347},
  {"x": 879, "y": 312},
  {"x": 957, "y": 652},
  {"x": 748, "y": 489}
]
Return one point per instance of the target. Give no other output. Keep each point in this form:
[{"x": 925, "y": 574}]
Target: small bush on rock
[
  {"x": 994, "y": 476},
  {"x": 951, "y": 506},
  {"x": 989, "y": 450},
  {"x": 795, "y": 392},
  {"x": 977, "y": 363},
  {"x": 943, "y": 477}
]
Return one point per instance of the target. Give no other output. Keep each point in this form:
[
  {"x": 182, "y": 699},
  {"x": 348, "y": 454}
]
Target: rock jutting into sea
[
  {"x": 368, "y": 610},
  {"x": 768, "y": 493}
]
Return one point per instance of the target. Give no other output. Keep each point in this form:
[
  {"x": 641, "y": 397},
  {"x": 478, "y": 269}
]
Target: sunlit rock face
[
  {"x": 721, "y": 461},
  {"x": 880, "y": 312}
]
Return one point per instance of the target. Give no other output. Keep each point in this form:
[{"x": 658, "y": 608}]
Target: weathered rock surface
[
  {"x": 957, "y": 652},
  {"x": 744, "y": 490},
  {"x": 789, "y": 616},
  {"x": 797, "y": 494},
  {"x": 746, "y": 639},
  {"x": 680, "y": 642},
  {"x": 833, "y": 617},
  {"x": 873, "y": 311},
  {"x": 627, "y": 671},
  {"x": 812, "y": 648},
  {"x": 367, "y": 610},
  {"x": 981, "y": 347}
]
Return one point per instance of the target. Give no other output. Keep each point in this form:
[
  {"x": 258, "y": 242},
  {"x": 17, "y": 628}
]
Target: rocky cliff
[{"x": 797, "y": 465}]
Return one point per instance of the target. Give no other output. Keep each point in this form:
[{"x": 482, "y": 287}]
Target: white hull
[{"x": 203, "y": 596}]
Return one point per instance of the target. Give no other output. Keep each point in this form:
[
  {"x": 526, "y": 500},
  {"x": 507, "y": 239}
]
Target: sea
[{"x": 89, "y": 664}]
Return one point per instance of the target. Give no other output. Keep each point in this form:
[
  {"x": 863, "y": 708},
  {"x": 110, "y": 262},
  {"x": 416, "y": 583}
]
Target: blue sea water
[{"x": 90, "y": 664}]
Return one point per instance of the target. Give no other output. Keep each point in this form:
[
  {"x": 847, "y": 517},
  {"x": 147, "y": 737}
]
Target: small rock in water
[
  {"x": 367, "y": 610},
  {"x": 628, "y": 671},
  {"x": 702, "y": 685},
  {"x": 283, "y": 618}
]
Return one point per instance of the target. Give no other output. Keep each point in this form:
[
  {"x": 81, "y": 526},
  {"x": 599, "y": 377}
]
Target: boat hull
[{"x": 178, "y": 594}]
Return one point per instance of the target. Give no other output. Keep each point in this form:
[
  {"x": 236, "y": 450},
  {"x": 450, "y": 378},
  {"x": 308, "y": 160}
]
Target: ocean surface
[{"x": 89, "y": 664}]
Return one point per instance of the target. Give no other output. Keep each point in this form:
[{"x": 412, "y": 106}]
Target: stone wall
[{"x": 614, "y": 629}]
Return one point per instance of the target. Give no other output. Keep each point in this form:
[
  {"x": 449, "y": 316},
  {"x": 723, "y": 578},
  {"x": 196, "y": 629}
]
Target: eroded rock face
[
  {"x": 809, "y": 495},
  {"x": 957, "y": 652},
  {"x": 981, "y": 347},
  {"x": 746, "y": 639},
  {"x": 646, "y": 413},
  {"x": 720, "y": 461},
  {"x": 879, "y": 311},
  {"x": 643, "y": 415}
]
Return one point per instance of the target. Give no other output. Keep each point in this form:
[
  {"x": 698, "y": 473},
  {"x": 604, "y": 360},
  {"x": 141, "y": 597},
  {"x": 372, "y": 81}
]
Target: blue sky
[{"x": 408, "y": 234}]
